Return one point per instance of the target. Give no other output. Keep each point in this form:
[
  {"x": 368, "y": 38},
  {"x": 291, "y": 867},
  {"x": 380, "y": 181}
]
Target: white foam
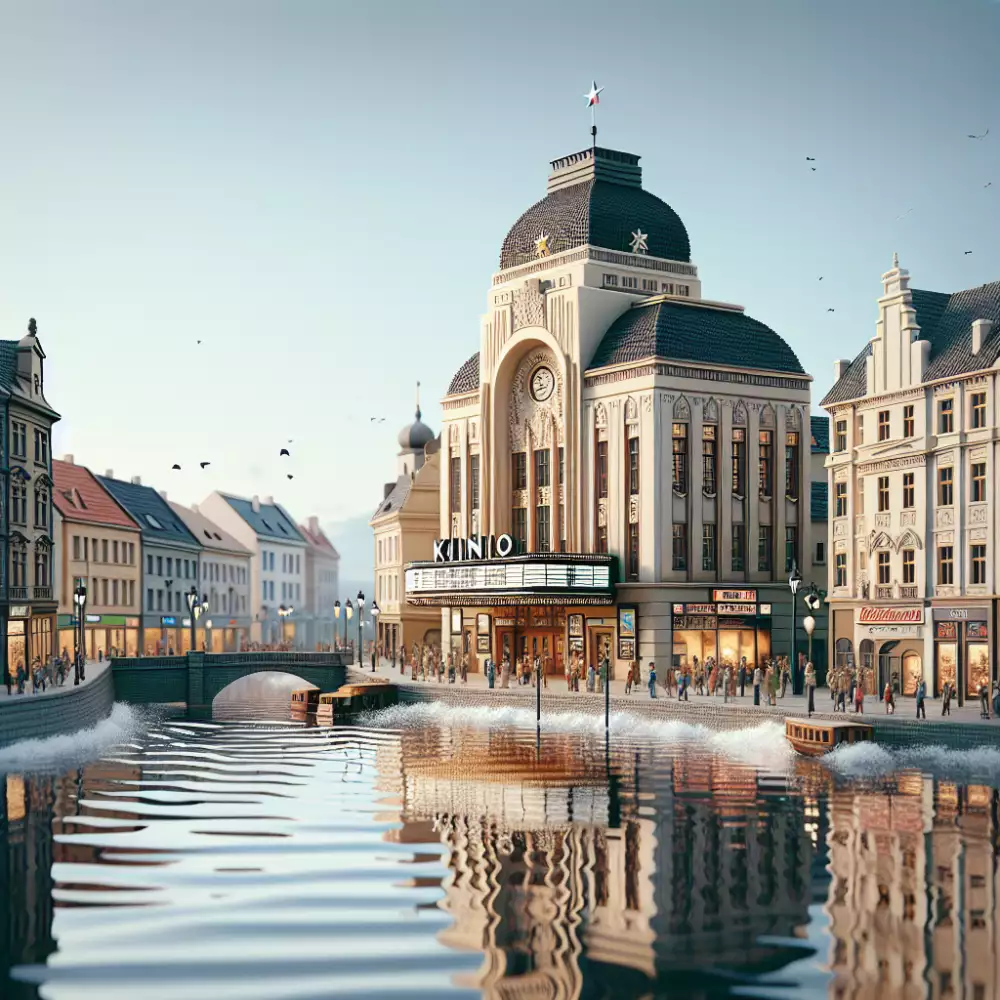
[
  {"x": 57, "y": 752},
  {"x": 871, "y": 760}
]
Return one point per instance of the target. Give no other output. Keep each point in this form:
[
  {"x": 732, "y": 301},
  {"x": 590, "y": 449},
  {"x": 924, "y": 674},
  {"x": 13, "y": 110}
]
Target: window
[
  {"x": 41, "y": 508},
  {"x": 977, "y": 555},
  {"x": 739, "y": 461},
  {"x": 908, "y": 500},
  {"x": 149, "y": 559},
  {"x": 946, "y": 416},
  {"x": 978, "y": 481},
  {"x": 764, "y": 546},
  {"x": 680, "y": 458},
  {"x": 19, "y": 502},
  {"x": 149, "y": 598},
  {"x": 840, "y": 436},
  {"x": 76, "y": 547},
  {"x": 18, "y": 439},
  {"x": 633, "y": 550},
  {"x": 739, "y": 547},
  {"x": 791, "y": 547},
  {"x": 602, "y": 469},
  {"x": 946, "y": 565},
  {"x": 159, "y": 566},
  {"x": 840, "y": 499},
  {"x": 908, "y": 429},
  {"x": 19, "y": 568},
  {"x": 883, "y": 425},
  {"x": 792, "y": 465},
  {"x": 170, "y": 566},
  {"x": 859, "y": 430},
  {"x": 455, "y": 493},
  {"x": 114, "y": 550},
  {"x": 840, "y": 570},
  {"x": 104, "y": 551},
  {"x": 708, "y": 547},
  {"x": 667, "y": 287},
  {"x": 628, "y": 282},
  {"x": 633, "y": 466},
  {"x": 909, "y": 566},
  {"x": 159, "y": 600},
  {"x": 114, "y": 593},
  {"x": 41, "y": 448},
  {"x": 474, "y": 482},
  {"x": 519, "y": 528},
  {"x": 883, "y": 493},
  {"x": 519, "y": 471},
  {"x": 543, "y": 526},
  {"x": 884, "y": 569},
  {"x": 611, "y": 280},
  {"x": 766, "y": 463},
  {"x": 820, "y": 552},
  {"x": 946, "y": 487},
  {"x": 709, "y": 459},
  {"x": 680, "y": 546},
  {"x": 562, "y": 501},
  {"x": 978, "y": 414},
  {"x": 542, "y": 472}
]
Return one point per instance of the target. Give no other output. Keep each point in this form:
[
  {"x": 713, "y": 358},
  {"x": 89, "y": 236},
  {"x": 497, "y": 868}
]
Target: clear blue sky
[{"x": 319, "y": 191}]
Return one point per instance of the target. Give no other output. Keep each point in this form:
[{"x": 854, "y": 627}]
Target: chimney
[
  {"x": 269, "y": 501},
  {"x": 109, "y": 473},
  {"x": 137, "y": 480},
  {"x": 255, "y": 503},
  {"x": 314, "y": 524},
  {"x": 163, "y": 493},
  {"x": 840, "y": 369},
  {"x": 980, "y": 332},
  {"x": 68, "y": 459}
]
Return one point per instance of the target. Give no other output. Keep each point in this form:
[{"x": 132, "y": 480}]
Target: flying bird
[
  {"x": 199, "y": 341},
  {"x": 820, "y": 278},
  {"x": 175, "y": 466},
  {"x": 284, "y": 451},
  {"x": 811, "y": 159},
  {"x": 290, "y": 476},
  {"x": 983, "y": 136},
  {"x": 988, "y": 184},
  {"x": 204, "y": 464},
  {"x": 831, "y": 310},
  {"x": 812, "y": 168},
  {"x": 904, "y": 215},
  {"x": 967, "y": 252}
]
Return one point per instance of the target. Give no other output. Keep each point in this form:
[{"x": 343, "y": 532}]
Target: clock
[{"x": 542, "y": 384}]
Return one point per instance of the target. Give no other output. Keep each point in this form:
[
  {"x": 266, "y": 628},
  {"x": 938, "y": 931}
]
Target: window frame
[{"x": 884, "y": 425}]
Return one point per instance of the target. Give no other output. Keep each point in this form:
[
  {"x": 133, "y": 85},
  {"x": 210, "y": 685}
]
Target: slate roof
[
  {"x": 208, "y": 533},
  {"x": 682, "y": 331},
  {"x": 466, "y": 378},
  {"x": 945, "y": 321},
  {"x": 819, "y": 430},
  {"x": 78, "y": 496},
  {"x": 8, "y": 363},
  {"x": 819, "y": 497},
  {"x": 158, "y": 523},
  {"x": 599, "y": 213},
  {"x": 271, "y": 521},
  {"x": 395, "y": 499}
]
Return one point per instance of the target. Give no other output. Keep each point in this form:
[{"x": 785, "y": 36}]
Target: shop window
[
  {"x": 946, "y": 416},
  {"x": 908, "y": 492},
  {"x": 883, "y": 425},
  {"x": 792, "y": 465},
  {"x": 978, "y": 410},
  {"x": 840, "y": 499},
  {"x": 680, "y": 547},
  {"x": 739, "y": 461},
  {"x": 946, "y": 486},
  {"x": 909, "y": 566},
  {"x": 791, "y": 547},
  {"x": 840, "y": 570},
  {"x": 633, "y": 466},
  {"x": 765, "y": 544},
  {"x": 680, "y": 451},
  {"x": 946, "y": 565},
  {"x": 978, "y": 482},
  {"x": 946, "y": 655},
  {"x": 908, "y": 423},
  {"x": 708, "y": 548},
  {"x": 519, "y": 471},
  {"x": 840, "y": 436},
  {"x": 709, "y": 459},
  {"x": 455, "y": 487},
  {"x": 977, "y": 560},
  {"x": 883, "y": 493},
  {"x": 884, "y": 568},
  {"x": 739, "y": 547},
  {"x": 766, "y": 464},
  {"x": 977, "y": 658},
  {"x": 633, "y": 551}
]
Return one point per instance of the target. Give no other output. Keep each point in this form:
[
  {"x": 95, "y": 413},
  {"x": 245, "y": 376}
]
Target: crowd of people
[{"x": 41, "y": 675}]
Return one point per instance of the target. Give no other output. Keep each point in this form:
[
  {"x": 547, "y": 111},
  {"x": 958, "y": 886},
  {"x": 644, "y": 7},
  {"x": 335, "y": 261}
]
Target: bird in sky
[
  {"x": 831, "y": 310},
  {"x": 988, "y": 184},
  {"x": 284, "y": 451},
  {"x": 820, "y": 278},
  {"x": 967, "y": 252},
  {"x": 811, "y": 159},
  {"x": 983, "y": 136},
  {"x": 812, "y": 168},
  {"x": 290, "y": 476},
  {"x": 176, "y": 466},
  {"x": 199, "y": 341},
  {"x": 204, "y": 464},
  {"x": 904, "y": 215}
]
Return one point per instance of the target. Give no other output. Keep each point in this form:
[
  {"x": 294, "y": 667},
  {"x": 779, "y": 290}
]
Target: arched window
[
  {"x": 913, "y": 672},
  {"x": 844, "y": 653}
]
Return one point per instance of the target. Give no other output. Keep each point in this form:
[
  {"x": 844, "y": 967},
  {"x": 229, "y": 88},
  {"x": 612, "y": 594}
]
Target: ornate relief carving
[
  {"x": 840, "y": 475},
  {"x": 453, "y": 435},
  {"x": 907, "y": 540},
  {"x": 456, "y": 525},
  {"x": 545, "y": 496},
  {"x": 602, "y": 512},
  {"x": 978, "y": 514},
  {"x": 633, "y": 509},
  {"x": 473, "y": 430},
  {"x": 600, "y": 417},
  {"x": 740, "y": 414},
  {"x": 882, "y": 520},
  {"x": 944, "y": 518},
  {"x": 527, "y": 413},
  {"x": 631, "y": 411},
  {"x": 840, "y": 546},
  {"x": 979, "y": 534},
  {"x": 944, "y": 537},
  {"x": 793, "y": 419},
  {"x": 840, "y": 528},
  {"x": 908, "y": 518},
  {"x": 519, "y": 498},
  {"x": 945, "y": 592},
  {"x": 879, "y": 540},
  {"x": 682, "y": 409},
  {"x": 528, "y": 305},
  {"x": 647, "y": 403},
  {"x": 711, "y": 411},
  {"x": 889, "y": 464},
  {"x": 945, "y": 458},
  {"x": 767, "y": 416}
]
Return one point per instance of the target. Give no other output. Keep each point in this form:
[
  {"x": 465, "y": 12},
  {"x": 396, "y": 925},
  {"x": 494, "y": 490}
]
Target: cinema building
[{"x": 645, "y": 448}]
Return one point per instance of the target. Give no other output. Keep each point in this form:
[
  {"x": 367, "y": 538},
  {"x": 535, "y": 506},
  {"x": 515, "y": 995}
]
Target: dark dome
[
  {"x": 415, "y": 436},
  {"x": 601, "y": 213},
  {"x": 466, "y": 378},
  {"x": 678, "y": 331}
]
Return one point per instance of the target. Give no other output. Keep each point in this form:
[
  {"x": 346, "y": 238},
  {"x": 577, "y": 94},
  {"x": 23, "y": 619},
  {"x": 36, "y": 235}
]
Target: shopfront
[
  {"x": 30, "y": 637},
  {"x": 731, "y": 626},
  {"x": 105, "y": 635},
  {"x": 962, "y": 653}
]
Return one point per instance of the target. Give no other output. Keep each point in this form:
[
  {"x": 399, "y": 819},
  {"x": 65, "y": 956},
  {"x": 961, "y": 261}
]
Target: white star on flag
[
  {"x": 594, "y": 97},
  {"x": 639, "y": 242}
]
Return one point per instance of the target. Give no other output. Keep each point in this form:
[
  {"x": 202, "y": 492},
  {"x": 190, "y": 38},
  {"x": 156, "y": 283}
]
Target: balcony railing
[
  {"x": 43, "y": 593},
  {"x": 17, "y": 593},
  {"x": 884, "y": 593},
  {"x": 909, "y": 593}
]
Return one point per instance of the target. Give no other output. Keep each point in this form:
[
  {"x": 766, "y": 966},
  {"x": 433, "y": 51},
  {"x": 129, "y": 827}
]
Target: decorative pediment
[
  {"x": 43, "y": 480},
  {"x": 740, "y": 414},
  {"x": 18, "y": 540},
  {"x": 682, "y": 409},
  {"x": 908, "y": 540},
  {"x": 19, "y": 472},
  {"x": 600, "y": 417},
  {"x": 767, "y": 416},
  {"x": 879, "y": 540},
  {"x": 43, "y": 543},
  {"x": 631, "y": 411},
  {"x": 711, "y": 411}
]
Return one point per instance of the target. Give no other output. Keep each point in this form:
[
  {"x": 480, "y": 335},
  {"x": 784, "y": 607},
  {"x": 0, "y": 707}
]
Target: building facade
[
  {"x": 277, "y": 566},
  {"x": 100, "y": 545},
  {"x": 322, "y": 580},
  {"x": 816, "y": 561},
  {"x": 28, "y": 606},
  {"x": 224, "y": 575},
  {"x": 913, "y": 490},
  {"x": 405, "y": 526},
  {"x": 169, "y": 565},
  {"x": 632, "y": 453}
]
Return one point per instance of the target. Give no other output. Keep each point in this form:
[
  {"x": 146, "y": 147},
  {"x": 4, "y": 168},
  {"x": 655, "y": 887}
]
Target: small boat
[
  {"x": 814, "y": 738},
  {"x": 353, "y": 699},
  {"x": 304, "y": 701}
]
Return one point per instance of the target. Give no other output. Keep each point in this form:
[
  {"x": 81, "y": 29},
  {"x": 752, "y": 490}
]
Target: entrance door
[{"x": 602, "y": 641}]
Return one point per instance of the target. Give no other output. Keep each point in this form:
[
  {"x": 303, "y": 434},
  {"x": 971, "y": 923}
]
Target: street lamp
[
  {"x": 349, "y": 613},
  {"x": 336, "y": 627},
  {"x": 361, "y": 623},
  {"x": 376, "y": 611},
  {"x": 196, "y": 606},
  {"x": 794, "y": 582},
  {"x": 80, "y": 600},
  {"x": 283, "y": 613}
]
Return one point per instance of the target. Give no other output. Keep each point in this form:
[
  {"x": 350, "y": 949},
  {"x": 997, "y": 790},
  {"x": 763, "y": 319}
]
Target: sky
[{"x": 318, "y": 191}]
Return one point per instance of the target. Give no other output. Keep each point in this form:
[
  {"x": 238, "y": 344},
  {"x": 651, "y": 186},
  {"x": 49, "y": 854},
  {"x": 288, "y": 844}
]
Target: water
[{"x": 436, "y": 852}]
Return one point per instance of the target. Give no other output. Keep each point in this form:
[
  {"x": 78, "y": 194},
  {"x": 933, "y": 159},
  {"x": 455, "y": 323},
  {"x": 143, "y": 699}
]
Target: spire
[
  {"x": 418, "y": 400},
  {"x": 895, "y": 261}
]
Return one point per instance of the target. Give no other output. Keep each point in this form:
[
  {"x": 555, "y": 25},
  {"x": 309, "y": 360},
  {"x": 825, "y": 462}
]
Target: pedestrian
[
  {"x": 505, "y": 671},
  {"x": 996, "y": 699},
  {"x": 984, "y": 701},
  {"x": 652, "y": 679},
  {"x": 591, "y": 677},
  {"x": 743, "y": 675},
  {"x": 810, "y": 685},
  {"x": 921, "y": 695},
  {"x": 491, "y": 672},
  {"x": 668, "y": 681},
  {"x": 726, "y": 678},
  {"x": 890, "y": 702},
  {"x": 859, "y": 700},
  {"x": 946, "y": 698},
  {"x": 785, "y": 676},
  {"x": 687, "y": 682},
  {"x": 465, "y": 668},
  {"x": 628, "y": 680},
  {"x": 758, "y": 677},
  {"x": 451, "y": 668}
]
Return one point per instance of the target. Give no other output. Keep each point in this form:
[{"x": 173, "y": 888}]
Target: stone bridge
[{"x": 196, "y": 678}]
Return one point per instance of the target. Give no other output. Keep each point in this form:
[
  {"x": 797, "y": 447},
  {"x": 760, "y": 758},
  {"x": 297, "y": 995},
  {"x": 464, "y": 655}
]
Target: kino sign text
[{"x": 476, "y": 547}]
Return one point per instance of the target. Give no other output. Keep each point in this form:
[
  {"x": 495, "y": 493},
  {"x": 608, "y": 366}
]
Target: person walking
[
  {"x": 859, "y": 700},
  {"x": 603, "y": 677},
  {"x": 921, "y": 696},
  {"x": 946, "y": 698},
  {"x": 505, "y": 672},
  {"x": 743, "y": 675},
  {"x": 727, "y": 675},
  {"x": 810, "y": 686},
  {"x": 889, "y": 699},
  {"x": 984, "y": 701},
  {"x": 491, "y": 672},
  {"x": 652, "y": 679},
  {"x": 628, "y": 680},
  {"x": 785, "y": 677},
  {"x": 758, "y": 677},
  {"x": 465, "y": 669},
  {"x": 591, "y": 678}
]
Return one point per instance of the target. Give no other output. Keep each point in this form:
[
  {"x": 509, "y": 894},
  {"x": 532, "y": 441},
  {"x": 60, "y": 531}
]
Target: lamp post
[
  {"x": 376, "y": 611},
  {"x": 80, "y": 600},
  {"x": 283, "y": 613},
  {"x": 196, "y": 606},
  {"x": 361, "y": 623},
  {"x": 794, "y": 582},
  {"x": 336, "y": 627},
  {"x": 348, "y": 615}
]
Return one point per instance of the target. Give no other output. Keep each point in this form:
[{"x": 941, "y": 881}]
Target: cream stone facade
[
  {"x": 913, "y": 491},
  {"x": 612, "y": 412}
]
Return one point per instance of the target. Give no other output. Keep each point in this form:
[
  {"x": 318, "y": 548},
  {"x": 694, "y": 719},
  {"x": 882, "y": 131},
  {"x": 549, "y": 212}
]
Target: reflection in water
[{"x": 280, "y": 861}]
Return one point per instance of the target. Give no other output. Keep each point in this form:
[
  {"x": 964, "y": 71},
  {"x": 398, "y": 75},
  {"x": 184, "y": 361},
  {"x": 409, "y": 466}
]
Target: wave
[
  {"x": 66, "y": 750},
  {"x": 871, "y": 760}
]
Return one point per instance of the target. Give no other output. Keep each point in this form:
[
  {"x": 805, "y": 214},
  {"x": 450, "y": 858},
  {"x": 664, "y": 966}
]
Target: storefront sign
[
  {"x": 476, "y": 547},
  {"x": 91, "y": 619},
  {"x": 890, "y": 616},
  {"x": 946, "y": 631},
  {"x": 734, "y": 623},
  {"x": 131, "y": 622},
  {"x": 232, "y": 621},
  {"x": 749, "y": 596},
  {"x": 19, "y": 611},
  {"x": 737, "y": 609},
  {"x": 893, "y": 631},
  {"x": 765, "y": 609},
  {"x": 695, "y": 623},
  {"x": 504, "y": 622},
  {"x": 168, "y": 620},
  {"x": 694, "y": 609}
]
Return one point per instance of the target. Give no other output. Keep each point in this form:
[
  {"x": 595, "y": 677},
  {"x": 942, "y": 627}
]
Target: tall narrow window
[
  {"x": 764, "y": 547},
  {"x": 519, "y": 471},
  {"x": 978, "y": 482},
  {"x": 908, "y": 423},
  {"x": 840, "y": 499},
  {"x": 883, "y": 425},
  {"x": 977, "y": 567},
  {"x": 709, "y": 459},
  {"x": 708, "y": 547},
  {"x": 791, "y": 547},
  {"x": 602, "y": 469},
  {"x": 840, "y": 436},
  {"x": 946, "y": 565},
  {"x": 884, "y": 569},
  {"x": 562, "y": 499},
  {"x": 680, "y": 547},
  {"x": 543, "y": 528},
  {"x": 680, "y": 458},
  {"x": 946, "y": 486},
  {"x": 946, "y": 416},
  {"x": 909, "y": 566},
  {"x": 739, "y": 461},
  {"x": 474, "y": 482},
  {"x": 633, "y": 551},
  {"x": 542, "y": 471},
  {"x": 456, "y": 485},
  {"x": 978, "y": 410},
  {"x": 908, "y": 492},
  {"x": 739, "y": 547},
  {"x": 633, "y": 466},
  {"x": 766, "y": 464},
  {"x": 840, "y": 570},
  {"x": 883, "y": 493},
  {"x": 792, "y": 465},
  {"x": 519, "y": 528}
]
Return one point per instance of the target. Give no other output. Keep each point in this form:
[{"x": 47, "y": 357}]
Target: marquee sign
[
  {"x": 890, "y": 616},
  {"x": 476, "y": 547}
]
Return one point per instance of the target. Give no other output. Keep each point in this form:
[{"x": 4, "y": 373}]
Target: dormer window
[{"x": 153, "y": 523}]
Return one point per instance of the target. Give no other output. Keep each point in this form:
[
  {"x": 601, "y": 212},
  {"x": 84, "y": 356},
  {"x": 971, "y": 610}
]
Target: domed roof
[
  {"x": 707, "y": 334},
  {"x": 466, "y": 378},
  {"x": 415, "y": 436},
  {"x": 595, "y": 197}
]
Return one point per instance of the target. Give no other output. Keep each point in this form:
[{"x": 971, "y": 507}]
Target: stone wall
[{"x": 28, "y": 717}]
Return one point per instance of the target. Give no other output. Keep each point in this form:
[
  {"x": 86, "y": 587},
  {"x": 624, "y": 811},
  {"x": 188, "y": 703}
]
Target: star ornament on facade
[
  {"x": 639, "y": 244},
  {"x": 594, "y": 97},
  {"x": 542, "y": 245}
]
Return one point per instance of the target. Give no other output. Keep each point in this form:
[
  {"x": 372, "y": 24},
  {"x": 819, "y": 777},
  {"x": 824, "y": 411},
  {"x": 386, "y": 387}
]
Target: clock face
[{"x": 542, "y": 384}]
